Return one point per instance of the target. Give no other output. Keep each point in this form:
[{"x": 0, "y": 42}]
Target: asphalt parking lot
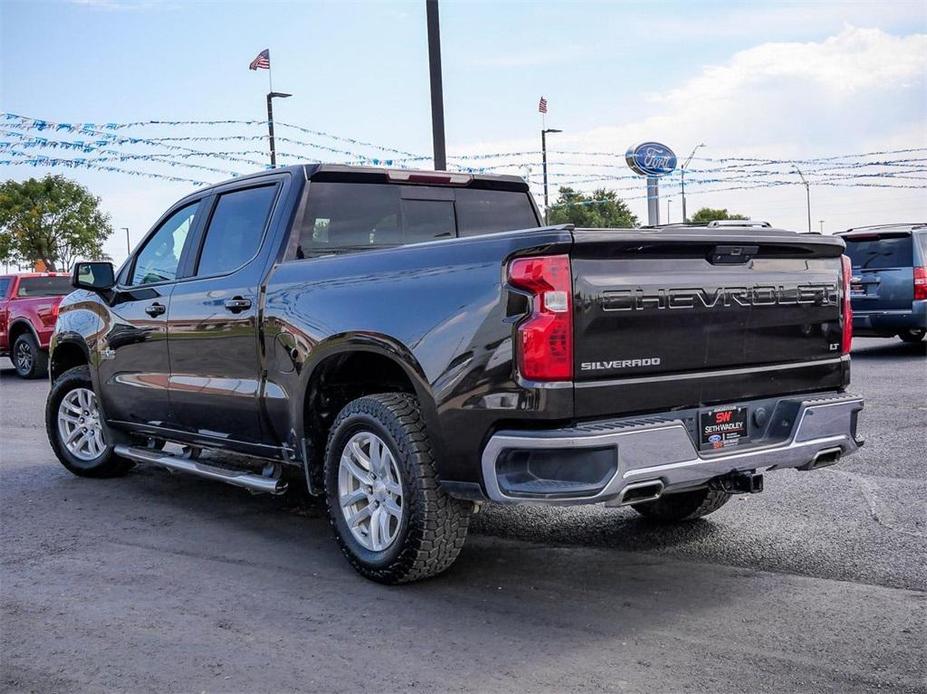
[{"x": 156, "y": 582}]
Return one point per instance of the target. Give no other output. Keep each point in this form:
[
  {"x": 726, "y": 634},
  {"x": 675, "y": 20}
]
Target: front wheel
[
  {"x": 683, "y": 506},
  {"x": 73, "y": 422},
  {"x": 28, "y": 359},
  {"x": 913, "y": 335},
  {"x": 392, "y": 520}
]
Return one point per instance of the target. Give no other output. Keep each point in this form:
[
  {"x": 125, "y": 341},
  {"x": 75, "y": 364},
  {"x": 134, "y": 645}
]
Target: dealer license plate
[{"x": 723, "y": 427}]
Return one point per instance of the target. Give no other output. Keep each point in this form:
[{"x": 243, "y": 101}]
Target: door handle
[
  {"x": 155, "y": 309},
  {"x": 237, "y": 304}
]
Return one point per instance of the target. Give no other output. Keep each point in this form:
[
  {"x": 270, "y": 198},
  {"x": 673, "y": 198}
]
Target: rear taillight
[
  {"x": 847, "y": 312},
  {"x": 544, "y": 344},
  {"x": 920, "y": 283}
]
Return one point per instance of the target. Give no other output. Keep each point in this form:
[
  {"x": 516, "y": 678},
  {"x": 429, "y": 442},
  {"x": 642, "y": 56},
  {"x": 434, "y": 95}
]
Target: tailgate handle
[{"x": 733, "y": 255}]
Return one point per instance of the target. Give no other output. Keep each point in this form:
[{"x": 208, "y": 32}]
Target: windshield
[
  {"x": 879, "y": 252},
  {"x": 44, "y": 286}
]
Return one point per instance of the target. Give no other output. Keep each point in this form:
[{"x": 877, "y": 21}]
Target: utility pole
[
  {"x": 544, "y": 132},
  {"x": 807, "y": 192},
  {"x": 682, "y": 181},
  {"x": 128, "y": 244},
  {"x": 270, "y": 124},
  {"x": 437, "y": 91}
]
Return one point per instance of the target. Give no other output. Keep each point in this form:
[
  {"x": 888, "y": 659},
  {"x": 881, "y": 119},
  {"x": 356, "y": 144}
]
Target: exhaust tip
[
  {"x": 640, "y": 492},
  {"x": 825, "y": 458}
]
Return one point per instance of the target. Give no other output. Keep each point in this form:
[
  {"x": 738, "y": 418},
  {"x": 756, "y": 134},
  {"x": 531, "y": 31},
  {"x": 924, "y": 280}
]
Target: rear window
[
  {"x": 357, "y": 216},
  {"x": 44, "y": 286},
  {"x": 488, "y": 211},
  {"x": 878, "y": 252}
]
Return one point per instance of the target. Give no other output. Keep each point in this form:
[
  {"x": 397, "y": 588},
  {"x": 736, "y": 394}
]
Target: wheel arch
[
  {"x": 17, "y": 328},
  {"x": 67, "y": 352},
  {"x": 347, "y": 367}
]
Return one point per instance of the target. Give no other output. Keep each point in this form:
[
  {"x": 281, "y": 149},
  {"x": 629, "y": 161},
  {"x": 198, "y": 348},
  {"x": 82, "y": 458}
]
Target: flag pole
[
  {"x": 270, "y": 74},
  {"x": 270, "y": 113}
]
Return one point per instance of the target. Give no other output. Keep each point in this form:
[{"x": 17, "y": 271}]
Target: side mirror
[{"x": 95, "y": 276}]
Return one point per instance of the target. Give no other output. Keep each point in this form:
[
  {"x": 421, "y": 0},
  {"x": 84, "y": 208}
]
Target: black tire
[
  {"x": 684, "y": 506},
  {"x": 107, "y": 464},
  {"x": 28, "y": 359},
  {"x": 913, "y": 335},
  {"x": 433, "y": 526}
]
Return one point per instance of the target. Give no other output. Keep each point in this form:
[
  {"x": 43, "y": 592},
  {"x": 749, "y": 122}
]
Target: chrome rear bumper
[{"x": 661, "y": 449}]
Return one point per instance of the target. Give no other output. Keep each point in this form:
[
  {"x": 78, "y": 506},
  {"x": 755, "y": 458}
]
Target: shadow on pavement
[{"x": 893, "y": 347}]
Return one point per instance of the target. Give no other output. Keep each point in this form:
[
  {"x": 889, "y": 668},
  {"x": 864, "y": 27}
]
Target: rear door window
[
  {"x": 4, "y": 286},
  {"x": 44, "y": 286},
  {"x": 236, "y": 229},
  {"x": 880, "y": 252}
]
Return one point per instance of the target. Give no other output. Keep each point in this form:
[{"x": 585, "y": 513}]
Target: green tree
[
  {"x": 53, "y": 220},
  {"x": 706, "y": 214},
  {"x": 601, "y": 209}
]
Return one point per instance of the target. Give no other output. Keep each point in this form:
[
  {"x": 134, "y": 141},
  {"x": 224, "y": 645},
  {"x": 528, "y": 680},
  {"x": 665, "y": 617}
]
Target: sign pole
[{"x": 653, "y": 201}]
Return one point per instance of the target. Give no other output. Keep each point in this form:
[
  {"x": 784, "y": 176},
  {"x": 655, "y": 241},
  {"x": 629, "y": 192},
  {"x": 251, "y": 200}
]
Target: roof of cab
[{"x": 395, "y": 175}]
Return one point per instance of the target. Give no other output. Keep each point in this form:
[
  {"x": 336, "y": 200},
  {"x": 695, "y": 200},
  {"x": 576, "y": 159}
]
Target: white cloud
[
  {"x": 856, "y": 91},
  {"x": 852, "y": 61}
]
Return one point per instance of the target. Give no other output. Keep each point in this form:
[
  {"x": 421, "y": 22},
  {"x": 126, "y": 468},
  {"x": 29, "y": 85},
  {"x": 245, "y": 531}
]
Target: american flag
[
  {"x": 542, "y": 105},
  {"x": 262, "y": 62}
]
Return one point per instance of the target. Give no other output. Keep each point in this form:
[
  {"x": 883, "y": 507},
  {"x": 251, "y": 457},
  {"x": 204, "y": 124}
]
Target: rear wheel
[
  {"x": 914, "y": 335},
  {"x": 393, "y": 521},
  {"x": 28, "y": 359},
  {"x": 684, "y": 506},
  {"x": 74, "y": 425}
]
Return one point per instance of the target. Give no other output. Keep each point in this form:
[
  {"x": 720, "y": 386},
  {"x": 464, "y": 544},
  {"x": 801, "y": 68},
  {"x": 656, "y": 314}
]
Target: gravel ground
[{"x": 156, "y": 582}]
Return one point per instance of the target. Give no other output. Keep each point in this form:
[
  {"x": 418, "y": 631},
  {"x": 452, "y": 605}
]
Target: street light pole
[
  {"x": 544, "y": 132},
  {"x": 128, "y": 245},
  {"x": 682, "y": 180},
  {"x": 807, "y": 192},
  {"x": 270, "y": 124},
  {"x": 821, "y": 222},
  {"x": 668, "y": 200},
  {"x": 437, "y": 90}
]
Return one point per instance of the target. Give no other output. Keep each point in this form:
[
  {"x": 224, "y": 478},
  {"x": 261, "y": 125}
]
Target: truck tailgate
[{"x": 694, "y": 316}]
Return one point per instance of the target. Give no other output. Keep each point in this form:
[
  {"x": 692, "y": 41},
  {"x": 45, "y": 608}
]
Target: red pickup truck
[{"x": 28, "y": 312}]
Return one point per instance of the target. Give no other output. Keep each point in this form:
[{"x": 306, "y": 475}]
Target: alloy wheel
[
  {"x": 370, "y": 491},
  {"x": 79, "y": 424},
  {"x": 24, "y": 357}
]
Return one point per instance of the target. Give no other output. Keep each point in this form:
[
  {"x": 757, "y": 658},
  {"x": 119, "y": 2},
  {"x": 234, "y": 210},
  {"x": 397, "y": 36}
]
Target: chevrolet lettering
[{"x": 639, "y": 299}]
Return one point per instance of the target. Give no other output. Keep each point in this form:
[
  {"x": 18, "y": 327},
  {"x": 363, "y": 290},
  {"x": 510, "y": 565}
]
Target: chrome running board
[{"x": 238, "y": 478}]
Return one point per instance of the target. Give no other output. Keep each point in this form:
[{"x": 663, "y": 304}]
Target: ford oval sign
[{"x": 651, "y": 159}]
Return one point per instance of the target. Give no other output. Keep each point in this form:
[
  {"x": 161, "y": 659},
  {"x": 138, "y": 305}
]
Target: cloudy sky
[{"x": 783, "y": 81}]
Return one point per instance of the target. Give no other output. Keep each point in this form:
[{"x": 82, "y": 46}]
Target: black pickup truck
[{"x": 412, "y": 345}]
